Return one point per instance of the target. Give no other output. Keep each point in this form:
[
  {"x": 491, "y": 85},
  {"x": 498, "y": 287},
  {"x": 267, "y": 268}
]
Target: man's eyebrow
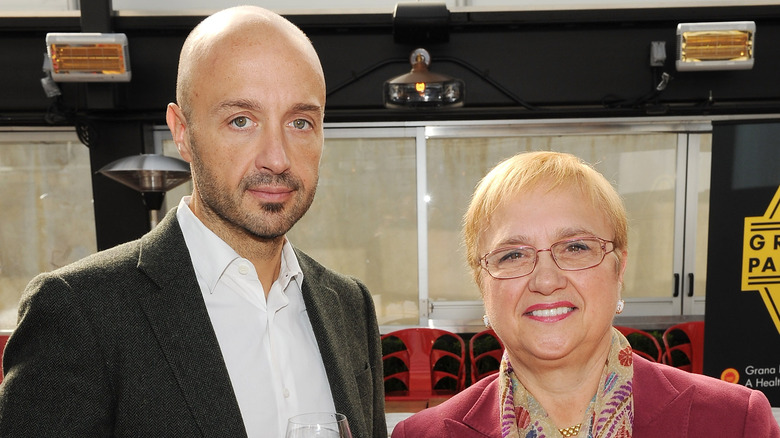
[
  {"x": 307, "y": 108},
  {"x": 252, "y": 105},
  {"x": 246, "y": 104}
]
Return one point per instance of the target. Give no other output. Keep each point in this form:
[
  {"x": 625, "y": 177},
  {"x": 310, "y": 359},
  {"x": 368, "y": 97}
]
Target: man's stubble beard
[{"x": 266, "y": 221}]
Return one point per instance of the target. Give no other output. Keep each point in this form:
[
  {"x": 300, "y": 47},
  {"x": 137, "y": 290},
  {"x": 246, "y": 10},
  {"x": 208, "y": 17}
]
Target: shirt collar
[
  {"x": 214, "y": 255},
  {"x": 210, "y": 254},
  {"x": 290, "y": 269}
]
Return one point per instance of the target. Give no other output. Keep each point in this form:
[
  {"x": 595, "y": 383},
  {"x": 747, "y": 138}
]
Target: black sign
[{"x": 742, "y": 321}]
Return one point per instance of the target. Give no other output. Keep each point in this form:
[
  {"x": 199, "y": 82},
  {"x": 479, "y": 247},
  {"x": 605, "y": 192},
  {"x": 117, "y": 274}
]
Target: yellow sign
[{"x": 761, "y": 257}]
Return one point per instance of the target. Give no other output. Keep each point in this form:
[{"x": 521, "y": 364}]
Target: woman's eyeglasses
[{"x": 568, "y": 255}]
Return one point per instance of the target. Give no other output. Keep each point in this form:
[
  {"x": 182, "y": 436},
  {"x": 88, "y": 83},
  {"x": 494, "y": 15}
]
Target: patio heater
[{"x": 150, "y": 174}]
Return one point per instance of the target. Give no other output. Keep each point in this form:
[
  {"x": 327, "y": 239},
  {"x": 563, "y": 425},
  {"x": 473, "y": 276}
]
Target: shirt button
[
  {"x": 243, "y": 269},
  {"x": 286, "y": 393}
]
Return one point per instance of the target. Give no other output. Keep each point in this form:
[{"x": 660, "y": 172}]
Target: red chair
[
  {"x": 687, "y": 354},
  {"x": 428, "y": 366},
  {"x": 3, "y": 340},
  {"x": 642, "y": 342},
  {"x": 485, "y": 351}
]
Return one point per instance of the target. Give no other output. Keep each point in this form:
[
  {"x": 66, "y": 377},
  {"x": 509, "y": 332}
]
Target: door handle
[
  {"x": 690, "y": 284},
  {"x": 676, "y": 286}
]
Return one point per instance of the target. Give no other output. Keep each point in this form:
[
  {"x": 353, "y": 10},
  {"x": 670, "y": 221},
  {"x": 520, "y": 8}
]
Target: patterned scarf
[{"x": 609, "y": 415}]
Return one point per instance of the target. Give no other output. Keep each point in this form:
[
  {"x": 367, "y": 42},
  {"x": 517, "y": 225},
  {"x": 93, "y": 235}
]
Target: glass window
[
  {"x": 642, "y": 168},
  {"x": 363, "y": 221},
  {"x": 173, "y": 196},
  {"x": 48, "y": 217}
]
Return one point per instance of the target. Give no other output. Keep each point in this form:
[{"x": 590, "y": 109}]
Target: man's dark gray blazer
[{"x": 120, "y": 344}]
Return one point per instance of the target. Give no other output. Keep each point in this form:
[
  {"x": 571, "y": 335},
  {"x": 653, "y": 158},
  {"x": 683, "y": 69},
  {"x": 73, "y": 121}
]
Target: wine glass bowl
[{"x": 318, "y": 425}]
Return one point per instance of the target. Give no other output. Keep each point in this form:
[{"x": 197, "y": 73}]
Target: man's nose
[{"x": 272, "y": 150}]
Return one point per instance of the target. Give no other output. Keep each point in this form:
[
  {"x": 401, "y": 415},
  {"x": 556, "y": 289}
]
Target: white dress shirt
[{"x": 268, "y": 345}]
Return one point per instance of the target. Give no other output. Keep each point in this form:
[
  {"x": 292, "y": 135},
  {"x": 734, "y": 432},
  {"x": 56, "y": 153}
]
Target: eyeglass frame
[{"x": 484, "y": 264}]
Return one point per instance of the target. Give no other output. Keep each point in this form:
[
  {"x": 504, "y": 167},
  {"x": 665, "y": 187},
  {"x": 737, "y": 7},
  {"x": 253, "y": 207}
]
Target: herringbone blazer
[{"x": 120, "y": 344}]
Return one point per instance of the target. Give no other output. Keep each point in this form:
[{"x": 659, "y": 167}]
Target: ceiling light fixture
[{"x": 421, "y": 88}]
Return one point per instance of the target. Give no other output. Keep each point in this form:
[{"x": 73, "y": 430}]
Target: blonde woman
[{"x": 546, "y": 239}]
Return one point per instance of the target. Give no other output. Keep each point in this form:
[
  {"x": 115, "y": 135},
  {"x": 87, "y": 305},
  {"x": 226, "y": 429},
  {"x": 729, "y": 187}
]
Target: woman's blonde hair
[{"x": 526, "y": 171}]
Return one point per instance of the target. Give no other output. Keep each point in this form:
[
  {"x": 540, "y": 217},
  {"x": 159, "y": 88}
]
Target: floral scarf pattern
[{"x": 609, "y": 415}]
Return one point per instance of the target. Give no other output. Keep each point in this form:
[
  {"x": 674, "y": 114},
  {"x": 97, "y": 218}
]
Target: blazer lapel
[
  {"x": 482, "y": 419},
  {"x": 177, "y": 314},
  {"x": 327, "y": 318},
  {"x": 657, "y": 401},
  {"x": 461, "y": 430}
]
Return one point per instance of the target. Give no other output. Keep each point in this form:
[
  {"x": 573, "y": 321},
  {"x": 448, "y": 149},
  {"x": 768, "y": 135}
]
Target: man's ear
[{"x": 177, "y": 123}]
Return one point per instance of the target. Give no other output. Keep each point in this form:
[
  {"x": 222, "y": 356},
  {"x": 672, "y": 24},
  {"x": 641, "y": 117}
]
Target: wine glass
[{"x": 318, "y": 425}]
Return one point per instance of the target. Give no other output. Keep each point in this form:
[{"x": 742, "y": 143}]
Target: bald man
[{"x": 212, "y": 324}]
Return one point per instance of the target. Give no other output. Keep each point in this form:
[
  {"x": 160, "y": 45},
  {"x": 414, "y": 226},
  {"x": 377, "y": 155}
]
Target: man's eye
[
  {"x": 240, "y": 122},
  {"x": 300, "y": 124}
]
